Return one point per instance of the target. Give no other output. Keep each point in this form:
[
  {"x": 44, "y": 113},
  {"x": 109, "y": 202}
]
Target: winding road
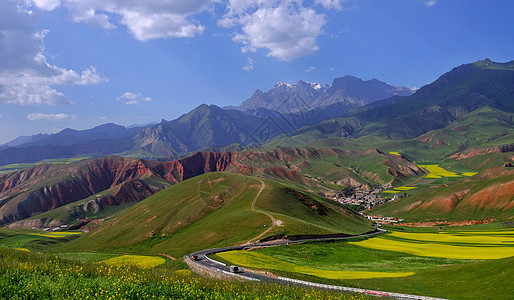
[
  {"x": 201, "y": 259},
  {"x": 273, "y": 220}
]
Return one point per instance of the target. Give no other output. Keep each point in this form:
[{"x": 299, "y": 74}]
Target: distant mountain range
[
  {"x": 303, "y": 112},
  {"x": 454, "y": 95},
  {"x": 291, "y": 98},
  {"x": 466, "y": 117}
]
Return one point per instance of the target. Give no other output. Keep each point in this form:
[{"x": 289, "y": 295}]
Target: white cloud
[
  {"x": 129, "y": 95},
  {"x": 50, "y": 117},
  {"x": 430, "y": 3},
  {"x": 285, "y": 28},
  {"x": 310, "y": 69},
  {"x": 1, "y": 115},
  {"x": 249, "y": 65},
  {"x": 47, "y": 5},
  {"x": 133, "y": 98},
  {"x": 331, "y": 4},
  {"x": 25, "y": 75},
  {"x": 146, "y": 20}
]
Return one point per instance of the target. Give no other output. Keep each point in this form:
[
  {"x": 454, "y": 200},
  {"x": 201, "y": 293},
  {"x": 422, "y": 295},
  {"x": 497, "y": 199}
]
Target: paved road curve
[{"x": 201, "y": 258}]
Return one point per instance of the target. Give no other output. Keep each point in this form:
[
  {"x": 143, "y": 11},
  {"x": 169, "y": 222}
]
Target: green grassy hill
[
  {"x": 489, "y": 194},
  {"x": 215, "y": 209}
]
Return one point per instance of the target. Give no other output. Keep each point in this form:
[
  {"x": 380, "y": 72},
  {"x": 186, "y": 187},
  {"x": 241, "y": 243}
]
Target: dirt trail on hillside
[{"x": 273, "y": 220}]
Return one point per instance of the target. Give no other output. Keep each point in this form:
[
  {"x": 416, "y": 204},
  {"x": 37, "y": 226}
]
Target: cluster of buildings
[
  {"x": 383, "y": 220},
  {"x": 366, "y": 198}
]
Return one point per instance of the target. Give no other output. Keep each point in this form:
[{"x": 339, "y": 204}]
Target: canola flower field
[
  {"x": 25, "y": 275},
  {"x": 434, "y": 172},
  {"x": 262, "y": 261},
  {"x": 447, "y": 244},
  {"x": 58, "y": 234},
  {"x": 141, "y": 261}
]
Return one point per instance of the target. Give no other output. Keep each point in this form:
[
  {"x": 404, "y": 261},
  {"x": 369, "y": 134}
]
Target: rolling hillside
[
  {"x": 487, "y": 195},
  {"x": 52, "y": 195},
  {"x": 97, "y": 183},
  {"x": 219, "y": 209}
]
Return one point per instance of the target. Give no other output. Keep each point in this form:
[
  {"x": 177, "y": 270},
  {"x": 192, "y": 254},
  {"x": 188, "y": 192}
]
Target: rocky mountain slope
[{"x": 290, "y": 98}]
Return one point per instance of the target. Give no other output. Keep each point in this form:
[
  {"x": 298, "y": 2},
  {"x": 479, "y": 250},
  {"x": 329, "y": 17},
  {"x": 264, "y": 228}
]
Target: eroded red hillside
[{"x": 45, "y": 187}]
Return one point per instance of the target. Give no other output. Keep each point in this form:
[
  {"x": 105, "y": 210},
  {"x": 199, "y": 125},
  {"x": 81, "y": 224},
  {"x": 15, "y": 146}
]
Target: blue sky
[{"x": 82, "y": 63}]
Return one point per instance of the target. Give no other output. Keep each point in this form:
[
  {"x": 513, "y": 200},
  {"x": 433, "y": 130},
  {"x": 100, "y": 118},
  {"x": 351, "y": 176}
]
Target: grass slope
[
  {"x": 215, "y": 210},
  {"x": 489, "y": 194},
  {"x": 26, "y": 275}
]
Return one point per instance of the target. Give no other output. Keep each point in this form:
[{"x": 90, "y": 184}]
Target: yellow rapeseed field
[
  {"x": 405, "y": 188},
  {"x": 261, "y": 261},
  {"x": 469, "y": 174},
  {"x": 450, "y": 244},
  {"x": 141, "y": 261},
  {"x": 55, "y": 234},
  {"x": 438, "y": 172},
  {"x": 22, "y": 249},
  {"x": 487, "y": 237}
]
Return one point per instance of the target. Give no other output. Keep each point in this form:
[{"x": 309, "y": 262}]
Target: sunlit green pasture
[
  {"x": 262, "y": 261},
  {"x": 483, "y": 257},
  {"x": 60, "y": 161},
  {"x": 33, "y": 239},
  {"x": 25, "y": 275}
]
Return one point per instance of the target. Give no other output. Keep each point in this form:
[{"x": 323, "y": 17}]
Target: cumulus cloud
[
  {"x": 430, "y": 3},
  {"x": 249, "y": 65},
  {"x": 133, "y": 98},
  {"x": 47, "y": 5},
  {"x": 285, "y": 28},
  {"x": 331, "y": 4},
  {"x": 50, "y": 117},
  {"x": 146, "y": 20},
  {"x": 25, "y": 75}
]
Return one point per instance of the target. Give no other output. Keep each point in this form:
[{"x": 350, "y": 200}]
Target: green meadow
[{"x": 407, "y": 261}]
